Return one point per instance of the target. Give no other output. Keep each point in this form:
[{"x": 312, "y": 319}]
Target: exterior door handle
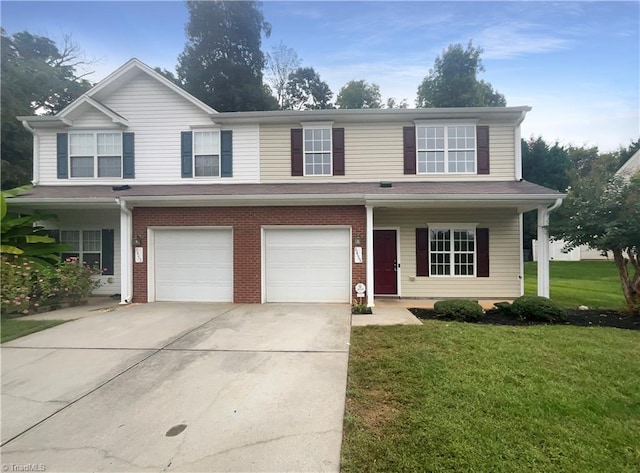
[{"x": 395, "y": 265}]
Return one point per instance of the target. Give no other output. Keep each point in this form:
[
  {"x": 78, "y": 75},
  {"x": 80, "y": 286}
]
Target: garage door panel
[
  {"x": 307, "y": 265},
  {"x": 194, "y": 265}
]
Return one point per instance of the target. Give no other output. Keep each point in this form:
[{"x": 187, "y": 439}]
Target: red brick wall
[{"x": 247, "y": 244}]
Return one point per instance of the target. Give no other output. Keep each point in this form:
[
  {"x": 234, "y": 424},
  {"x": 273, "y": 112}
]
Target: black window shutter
[
  {"x": 226, "y": 153},
  {"x": 482, "y": 136},
  {"x": 297, "y": 153},
  {"x": 422, "y": 252},
  {"x": 63, "y": 155},
  {"x": 409, "y": 149},
  {"x": 128, "y": 156},
  {"x": 482, "y": 246},
  {"x": 107, "y": 252},
  {"x": 186, "y": 151},
  {"x": 338, "y": 151}
]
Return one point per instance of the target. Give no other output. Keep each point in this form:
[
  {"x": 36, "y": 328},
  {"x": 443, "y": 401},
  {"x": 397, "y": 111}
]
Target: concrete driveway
[{"x": 180, "y": 387}]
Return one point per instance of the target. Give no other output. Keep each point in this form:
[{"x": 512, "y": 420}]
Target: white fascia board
[
  {"x": 258, "y": 200},
  {"x": 115, "y": 117},
  {"x": 443, "y": 122}
]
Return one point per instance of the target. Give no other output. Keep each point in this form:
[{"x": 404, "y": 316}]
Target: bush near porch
[
  {"x": 28, "y": 286},
  {"x": 595, "y": 284}
]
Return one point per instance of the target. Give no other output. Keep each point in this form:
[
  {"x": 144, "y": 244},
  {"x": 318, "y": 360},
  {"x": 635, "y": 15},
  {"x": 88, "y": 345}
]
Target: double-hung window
[
  {"x": 317, "y": 152},
  {"x": 84, "y": 245},
  {"x": 446, "y": 149},
  {"x": 452, "y": 251},
  {"x": 95, "y": 154},
  {"x": 206, "y": 153}
]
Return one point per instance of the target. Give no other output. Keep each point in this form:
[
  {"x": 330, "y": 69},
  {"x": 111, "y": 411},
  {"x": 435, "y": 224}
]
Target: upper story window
[
  {"x": 206, "y": 153},
  {"x": 95, "y": 154},
  {"x": 446, "y": 149},
  {"x": 317, "y": 152}
]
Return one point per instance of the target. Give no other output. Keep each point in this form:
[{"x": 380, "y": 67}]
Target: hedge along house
[{"x": 181, "y": 203}]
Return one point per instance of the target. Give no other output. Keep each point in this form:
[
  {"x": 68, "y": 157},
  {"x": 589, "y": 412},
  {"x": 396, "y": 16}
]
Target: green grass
[
  {"x": 12, "y": 328},
  {"x": 572, "y": 283},
  {"x": 451, "y": 397}
]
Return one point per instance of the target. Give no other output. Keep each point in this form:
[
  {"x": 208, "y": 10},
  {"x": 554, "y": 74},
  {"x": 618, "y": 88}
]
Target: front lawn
[
  {"x": 450, "y": 396},
  {"x": 13, "y": 328},
  {"x": 574, "y": 283}
]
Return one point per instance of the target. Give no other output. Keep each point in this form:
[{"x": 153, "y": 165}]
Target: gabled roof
[
  {"x": 102, "y": 108},
  {"x": 105, "y": 87},
  {"x": 631, "y": 167}
]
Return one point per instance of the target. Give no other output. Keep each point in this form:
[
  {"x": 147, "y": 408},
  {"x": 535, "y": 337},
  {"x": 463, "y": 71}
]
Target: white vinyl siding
[
  {"x": 504, "y": 252},
  {"x": 157, "y": 115},
  {"x": 96, "y": 221},
  {"x": 374, "y": 152}
]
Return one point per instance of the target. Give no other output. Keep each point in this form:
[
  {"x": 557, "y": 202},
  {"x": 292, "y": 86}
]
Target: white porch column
[
  {"x": 543, "y": 252},
  {"x": 369, "y": 259},
  {"x": 126, "y": 251},
  {"x": 543, "y": 247}
]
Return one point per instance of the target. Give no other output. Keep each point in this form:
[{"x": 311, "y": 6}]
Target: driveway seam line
[{"x": 111, "y": 379}]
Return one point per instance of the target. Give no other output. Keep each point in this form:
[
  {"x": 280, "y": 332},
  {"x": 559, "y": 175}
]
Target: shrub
[
  {"x": 27, "y": 284},
  {"x": 538, "y": 308},
  {"x": 458, "y": 309},
  {"x": 360, "y": 308}
]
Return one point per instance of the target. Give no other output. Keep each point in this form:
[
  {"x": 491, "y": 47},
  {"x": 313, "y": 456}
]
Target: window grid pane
[
  {"x": 207, "y": 165},
  {"x": 446, "y": 149},
  {"x": 82, "y": 166},
  {"x": 71, "y": 238},
  {"x": 317, "y": 156},
  {"x": 464, "y": 252},
  {"x": 109, "y": 144},
  {"x": 91, "y": 240},
  {"x": 81, "y": 144},
  {"x": 440, "y": 252},
  {"x": 206, "y": 142},
  {"x": 109, "y": 166}
]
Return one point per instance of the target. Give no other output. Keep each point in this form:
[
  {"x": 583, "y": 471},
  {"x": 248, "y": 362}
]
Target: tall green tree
[
  {"x": 222, "y": 62},
  {"x": 305, "y": 90},
  {"x": 359, "y": 94},
  {"x": 548, "y": 166},
  {"x": 453, "y": 81},
  {"x": 38, "y": 77}
]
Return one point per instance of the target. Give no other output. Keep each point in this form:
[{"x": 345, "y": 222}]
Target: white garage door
[
  {"x": 307, "y": 265},
  {"x": 193, "y": 265}
]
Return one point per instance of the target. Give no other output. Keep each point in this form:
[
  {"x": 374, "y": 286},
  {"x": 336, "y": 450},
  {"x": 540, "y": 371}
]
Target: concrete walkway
[{"x": 180, "y": 387}]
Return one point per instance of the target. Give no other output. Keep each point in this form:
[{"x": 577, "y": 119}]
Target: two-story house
[{"x": 177, "y": 202}]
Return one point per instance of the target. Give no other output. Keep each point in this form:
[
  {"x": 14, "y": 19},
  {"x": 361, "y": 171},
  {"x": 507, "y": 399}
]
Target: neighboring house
[
  {"x": 631, "y": 167},
  {"x": 180, "y": 203},
  {"x": 557, "y": 250}
]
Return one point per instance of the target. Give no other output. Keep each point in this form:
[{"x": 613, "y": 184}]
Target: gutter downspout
[
  {"x": 36, "y": 153},
  {"x": 126, "y": 263},
  {"x": 543, "y": 247}
]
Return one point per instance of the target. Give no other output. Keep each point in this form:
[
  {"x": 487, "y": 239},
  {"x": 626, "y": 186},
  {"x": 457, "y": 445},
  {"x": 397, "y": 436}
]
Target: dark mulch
[{"x": 582, "y": 318}]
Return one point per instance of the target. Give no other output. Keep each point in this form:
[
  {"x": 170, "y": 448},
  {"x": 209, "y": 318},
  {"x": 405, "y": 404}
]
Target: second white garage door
[
  {"x": 193, "y": 265},
  {"x": 307, "y": 265}
]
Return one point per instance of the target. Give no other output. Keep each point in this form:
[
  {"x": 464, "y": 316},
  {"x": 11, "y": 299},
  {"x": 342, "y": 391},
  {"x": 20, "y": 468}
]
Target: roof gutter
[{"x": 36, "y": 153}]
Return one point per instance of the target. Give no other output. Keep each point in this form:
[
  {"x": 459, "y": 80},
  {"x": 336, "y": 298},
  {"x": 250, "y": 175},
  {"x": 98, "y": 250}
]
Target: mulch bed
[{"x": 582, "y": 318}]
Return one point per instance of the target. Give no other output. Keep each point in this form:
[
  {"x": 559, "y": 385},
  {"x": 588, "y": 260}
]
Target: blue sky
[{"x": 576, "y": 63}]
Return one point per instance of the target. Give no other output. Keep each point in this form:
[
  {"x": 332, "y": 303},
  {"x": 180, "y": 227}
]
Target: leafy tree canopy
[
  {"x": 453, "y": 81},
  {"x": 359, "y": 94},
  {"x": 38, "y": 77},
  {"x": 222, "y": 62},
  {"x": 605, "y": 215},
  {"x": 306, "y": 91}
]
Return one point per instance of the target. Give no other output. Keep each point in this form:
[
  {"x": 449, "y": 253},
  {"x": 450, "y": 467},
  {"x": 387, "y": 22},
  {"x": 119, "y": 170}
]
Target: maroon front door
[{"x": 385, "y": 264}]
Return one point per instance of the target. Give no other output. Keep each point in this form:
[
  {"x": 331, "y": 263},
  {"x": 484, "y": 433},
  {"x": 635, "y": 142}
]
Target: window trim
[
  {"x": 81, "y": 251},
  {"x": 193, "y": 152},
  {"x": 95, "y": 156},
  {"x": 317, "y": 126},
  {"x": 452, "y": 227},
  {"x": 446, "y": 125}
]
